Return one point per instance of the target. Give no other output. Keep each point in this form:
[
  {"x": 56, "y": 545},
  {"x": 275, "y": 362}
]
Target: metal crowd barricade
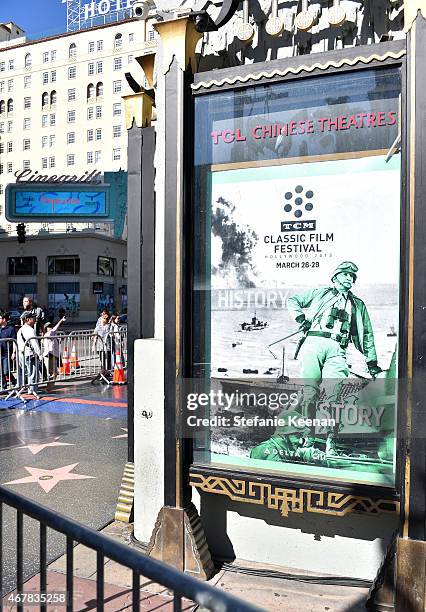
[
  {"x": 10, "y": 373},
  {"x": 46, "y": 360}
]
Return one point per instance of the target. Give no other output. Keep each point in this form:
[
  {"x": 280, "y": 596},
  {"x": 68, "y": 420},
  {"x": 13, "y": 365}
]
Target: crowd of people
[{"x": 38, "y": 353}]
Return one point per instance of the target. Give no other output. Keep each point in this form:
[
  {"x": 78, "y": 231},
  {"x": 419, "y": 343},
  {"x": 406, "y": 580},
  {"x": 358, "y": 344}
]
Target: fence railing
[
  {"x": 182, "y": 585},
  {"x": 29, "y": 362}
]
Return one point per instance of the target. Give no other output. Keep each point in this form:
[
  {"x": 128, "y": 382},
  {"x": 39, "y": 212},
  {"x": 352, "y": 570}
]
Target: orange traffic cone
[
  {"x": 74, "y": 358},
  {"x": 118, "y": 377},
  {"x": 65, "y": 367}
]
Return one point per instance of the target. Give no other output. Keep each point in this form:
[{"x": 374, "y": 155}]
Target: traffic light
[{"x": 20, "y": 230}]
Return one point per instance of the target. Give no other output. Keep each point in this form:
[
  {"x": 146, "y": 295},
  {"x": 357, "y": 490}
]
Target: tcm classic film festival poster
[{"x": 311, "y": 247}]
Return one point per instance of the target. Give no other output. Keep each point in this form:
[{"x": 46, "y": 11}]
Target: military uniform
[{"x": 331, "y": 319}]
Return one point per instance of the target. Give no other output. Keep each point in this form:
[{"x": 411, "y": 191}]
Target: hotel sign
[{"x": 92, "y": 10}]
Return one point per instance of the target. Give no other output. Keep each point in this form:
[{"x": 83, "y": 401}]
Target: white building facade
[{"x": 61, "y": 108}]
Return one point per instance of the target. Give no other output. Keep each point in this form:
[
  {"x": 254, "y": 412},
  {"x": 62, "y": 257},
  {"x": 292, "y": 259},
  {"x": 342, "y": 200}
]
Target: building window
[
  {"x": 1, "y": 189},
  {"x": 45, "y": 78},
  {"x": 72, "y": 51},
  {"x": 71, "y": 138},
  {"x": 53, "y": 97},
  {"x": 52, "y": 139},
  {"x": 90, "y": 157},
  {"x": 98, "y": 112},
  {"x": 10, "y": 147},
  {"x": 27, "y": 123},
  {"x": 118, "y": 41},
  {"x": 124, "y": 269},
  {"x": 118, "y": 61},
  {"x": 44, "y": 99},
  {"x": 26, "y": 164},
  {"x": 64, "y": 296},
  {"x": 53, "y": 55},
  {"x": 90, "y": 91},
  {"x": 71, "y": 95},
  {"x": 9, "y": 126},
  {"x": 70, "y": 159},
  {"x": 10, "y": 85},
  {"x": 43, "y": 120},
  {"x": 100, "y": 45},
  {"x": 27, "y": 103},
  {"x": 90, "y": 112},
  {"x": 63, "y": 265},
  {"x": 22, "y": 266},
  {"x": 53, "y": 119},
  {"x": 92, "y": 46},
  {"x": 45, "y": 57},
  {"x": 2, "y": 86},
  {"x": 106, "y": 266},
  {"x": 116, "y": 109},
  {"x": 99, "y": 67},
  {"x": 44, "y": 162},
  {"x": 99, "y": 89},
  {"x": 116, "y": 87},
  {"x": 71, "y": 116},
  {"x": 131, "y": 37},
  {"x": 11, "y": 64},
  {"x": 10, "y": 168},
  {"x": 10, "y": 106},
  {"x": 2, "y": 127},
  {"x": 52, "y": 162},
  {"x": 1, "y": 147},
  {"x": 43, "y": 142},
  {"x": 17, "y": 292},
  {"x": 151, "y": 35},
  {"x": 27, "y": 81},
  {"x": 1, "y": 168},
  {"x": 28, "y": 62},
  {"x": 2, "y": 66},
  {"x": 72, "y": 72},
  {"x": 99, "y": 134},
  {"x": 116, "y": 131},
  {"x": 98, "y": 157},
  {"x": 26, "y": 144},
  {"x": 2, "y": 107},
  {"x": 116, "y": 154},
  {"x": 91, "y": 68},
  {"x": 130, "y": 59},
  {"x": 89, "y": 135},
  {"x": 53, "y": 76}
]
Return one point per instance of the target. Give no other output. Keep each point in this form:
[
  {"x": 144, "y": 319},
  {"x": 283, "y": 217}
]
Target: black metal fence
[{"x": 180, "y": 584}]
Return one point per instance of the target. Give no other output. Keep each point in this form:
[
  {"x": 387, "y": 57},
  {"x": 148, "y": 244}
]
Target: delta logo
[{"x": 297, "y": 204}]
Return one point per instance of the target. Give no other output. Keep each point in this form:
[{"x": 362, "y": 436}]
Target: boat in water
[{"x": 254, "y": 325}]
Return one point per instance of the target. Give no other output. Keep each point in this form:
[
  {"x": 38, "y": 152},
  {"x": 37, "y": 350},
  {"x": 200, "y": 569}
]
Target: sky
[{"x": 37, "y": 17}]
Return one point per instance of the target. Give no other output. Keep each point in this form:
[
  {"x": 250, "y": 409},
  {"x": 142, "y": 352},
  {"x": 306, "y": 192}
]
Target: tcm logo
[{"x": 298, "y": 226}]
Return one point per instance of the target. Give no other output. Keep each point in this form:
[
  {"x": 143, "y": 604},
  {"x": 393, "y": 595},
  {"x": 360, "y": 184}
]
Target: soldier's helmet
[{"x": 346, "y": 266}]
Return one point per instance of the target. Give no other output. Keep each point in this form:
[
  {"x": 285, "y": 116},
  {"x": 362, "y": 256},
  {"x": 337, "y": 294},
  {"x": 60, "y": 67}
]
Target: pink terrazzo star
[
  {"x": 47, "y": 479},
  {"x": 36, "y": 448},
  {"x": 125, "y": 435}
]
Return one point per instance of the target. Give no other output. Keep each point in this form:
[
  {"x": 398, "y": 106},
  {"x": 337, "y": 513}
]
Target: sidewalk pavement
[{"x": 270, "y": 594}]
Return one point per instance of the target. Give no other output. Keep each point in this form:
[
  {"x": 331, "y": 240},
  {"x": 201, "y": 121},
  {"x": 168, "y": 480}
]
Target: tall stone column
[{"x": 178, "y": 538}]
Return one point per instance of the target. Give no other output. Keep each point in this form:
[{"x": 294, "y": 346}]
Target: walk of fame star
[
  {"x": 125, "y": 435},
  {"x": 36, "y": 448},
  {"x": 47, "y": 479}
]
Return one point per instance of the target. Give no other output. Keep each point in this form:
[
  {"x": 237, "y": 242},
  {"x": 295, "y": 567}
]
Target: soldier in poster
[{"x": 331, "y": 317}]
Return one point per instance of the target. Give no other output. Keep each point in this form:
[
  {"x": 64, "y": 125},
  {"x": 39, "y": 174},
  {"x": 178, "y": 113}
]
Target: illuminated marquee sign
[{"x": 56, "y": 202}]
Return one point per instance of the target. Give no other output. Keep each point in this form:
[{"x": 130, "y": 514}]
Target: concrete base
[
  {"x": 178, "y": 539},
  {"x": 410, "y": 576},
  {"x": 149, "y": 436}
]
